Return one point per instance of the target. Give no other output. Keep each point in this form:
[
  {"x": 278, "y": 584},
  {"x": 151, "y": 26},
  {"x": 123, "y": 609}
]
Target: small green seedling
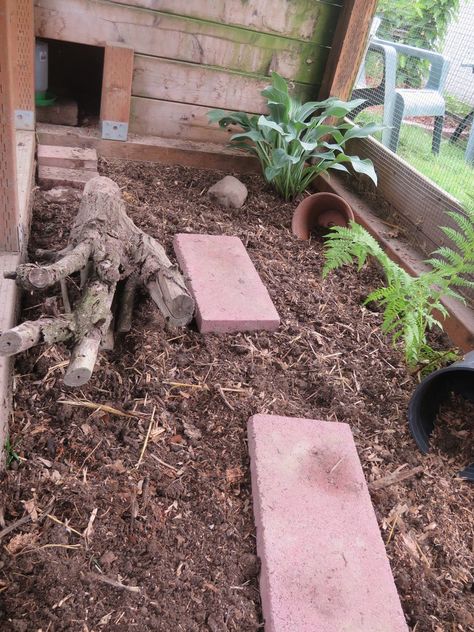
[{"x": 11, "y": 455}]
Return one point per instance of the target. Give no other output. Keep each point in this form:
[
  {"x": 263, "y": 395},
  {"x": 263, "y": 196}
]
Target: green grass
[
  {"x": 448, "y": 170},
  {"x": 456, "y": 106}
]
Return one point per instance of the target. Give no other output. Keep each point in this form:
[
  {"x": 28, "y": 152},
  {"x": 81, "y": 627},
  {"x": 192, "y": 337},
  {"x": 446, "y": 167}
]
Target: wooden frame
[
  {"x": 116, "y": 91},
  {"x": 348, "y": 48},
  {"x": 9, "y": 203},
  {"x": 23, "y": 64}
]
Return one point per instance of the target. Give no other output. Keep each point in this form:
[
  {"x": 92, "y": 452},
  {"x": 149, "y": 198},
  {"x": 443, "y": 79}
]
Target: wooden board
[
  {"x": 25, "y": 154},
  {"x": 24, "y": 61},
  {"x": 174, "y": 120},
  {"x": 192, "y": 83},
  {"x": 9, "y": 209},
  {"x": 116, "y": 84},
  {"x": 348, "y": 48},
  {"x": 169, "y": 151},
  {"x": 460, "y": 323},
  {"x": 98, "y": 23},
  {"x": 300, "y": 19},
  {"x": 421, "y": 204}
]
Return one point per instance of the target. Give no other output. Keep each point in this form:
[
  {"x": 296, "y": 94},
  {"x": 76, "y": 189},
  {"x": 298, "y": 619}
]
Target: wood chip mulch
[{"x": 130, "y": 507}]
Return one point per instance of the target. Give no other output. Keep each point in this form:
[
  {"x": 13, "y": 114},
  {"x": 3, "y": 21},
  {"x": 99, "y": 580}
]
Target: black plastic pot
[{"x": 431, "y": 392}]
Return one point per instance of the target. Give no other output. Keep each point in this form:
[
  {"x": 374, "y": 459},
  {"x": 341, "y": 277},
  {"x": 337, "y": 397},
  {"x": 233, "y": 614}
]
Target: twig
[
  {"x": 91, "y": 453},
  {"x": 145, "y": 443},
  {"x": 395, "y": 477},
  {"x": 23, "y": 521},
  {"x": 64, "y": 524},
  {"x": 226, "y": 401},
  {"x": 65, "y": 297},
  {"x": 164, "y": 464},
  {"x": 112, "y": 582},
  {"x": 94, "y": 406}
]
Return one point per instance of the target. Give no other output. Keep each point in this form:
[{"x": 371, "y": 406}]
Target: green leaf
[
  {"x": 279, "y": 83},
  {"x": 363, "y": 132},
  {"x": 252, "y": 135},
  {"x": 265, "y": 122}
]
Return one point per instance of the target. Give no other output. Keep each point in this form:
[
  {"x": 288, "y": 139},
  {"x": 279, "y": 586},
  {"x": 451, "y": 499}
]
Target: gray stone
[
  {"x": 229, "y": 192},
  {"x": 62, "y": 194}
]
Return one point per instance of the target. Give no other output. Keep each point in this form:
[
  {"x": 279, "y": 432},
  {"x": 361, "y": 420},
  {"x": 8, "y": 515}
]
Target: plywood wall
[{"x": 193, "y": 55}]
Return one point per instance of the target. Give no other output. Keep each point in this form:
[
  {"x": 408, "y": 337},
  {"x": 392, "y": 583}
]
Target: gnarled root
[{"x": 106, "y": 247}]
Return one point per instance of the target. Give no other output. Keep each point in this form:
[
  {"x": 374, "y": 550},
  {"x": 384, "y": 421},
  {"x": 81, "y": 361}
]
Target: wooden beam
[
  {"x": 116, "y": 91},
  {"x": 348, "y": 48},
  {"x": 459, "y": 324},
  {"x": 23, "y": 64},
  {"x": 9, "y": 209}
]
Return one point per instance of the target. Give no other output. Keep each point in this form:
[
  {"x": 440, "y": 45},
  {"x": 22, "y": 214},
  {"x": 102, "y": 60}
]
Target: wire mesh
[{"x": 417, "y": 79}]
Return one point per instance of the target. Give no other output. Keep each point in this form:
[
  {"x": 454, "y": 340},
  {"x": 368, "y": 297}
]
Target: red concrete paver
[
  {"x": 228, "y": 291},
  {"x": 323, "y": 562}
]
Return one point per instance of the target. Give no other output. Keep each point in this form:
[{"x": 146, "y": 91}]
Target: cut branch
[
  {"x": 83, "y": 359},
  {"x": 33, "y": 277}
]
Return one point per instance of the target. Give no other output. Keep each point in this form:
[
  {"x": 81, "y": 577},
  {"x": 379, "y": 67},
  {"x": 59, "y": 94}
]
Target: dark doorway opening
[{"x": 75, "y": 73}]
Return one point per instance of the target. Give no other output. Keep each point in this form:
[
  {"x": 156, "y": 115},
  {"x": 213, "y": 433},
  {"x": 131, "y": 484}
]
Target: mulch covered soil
[{"x": 108, "y": 538}]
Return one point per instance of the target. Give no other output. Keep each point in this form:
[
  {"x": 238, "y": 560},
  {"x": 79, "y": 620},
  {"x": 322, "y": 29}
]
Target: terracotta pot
[{"x": 320, "y": 210}]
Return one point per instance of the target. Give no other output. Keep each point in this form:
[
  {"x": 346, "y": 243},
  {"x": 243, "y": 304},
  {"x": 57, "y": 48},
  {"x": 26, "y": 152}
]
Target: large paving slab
[
  {"x": 323, "y": 562},
  {"x": 228, "y": 291}
]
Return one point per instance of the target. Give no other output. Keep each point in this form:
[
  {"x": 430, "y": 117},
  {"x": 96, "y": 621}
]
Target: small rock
[
  {"x": 108, "y": 558},
  {"x": 62, "y": 194},
  {"x": 190, "y": 430},
  {"x": 229, "y": 192}
]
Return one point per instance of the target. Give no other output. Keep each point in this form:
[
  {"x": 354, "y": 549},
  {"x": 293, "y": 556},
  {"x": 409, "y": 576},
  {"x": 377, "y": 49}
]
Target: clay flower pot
[{"x": 320, "y": 210}]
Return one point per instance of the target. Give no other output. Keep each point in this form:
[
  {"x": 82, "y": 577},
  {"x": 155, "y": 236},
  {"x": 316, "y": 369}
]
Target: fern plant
[
  {"x": 297, "y": 142},
  {"x": 409, "y": 302}
]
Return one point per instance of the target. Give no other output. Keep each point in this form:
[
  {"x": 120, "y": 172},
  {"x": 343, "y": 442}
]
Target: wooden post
[
  {"x": 348, "y": 48},
  {"x": 116, "y": 92},
  {"x": 9, "y": 208},
  {"x": 23, "y": 64}
]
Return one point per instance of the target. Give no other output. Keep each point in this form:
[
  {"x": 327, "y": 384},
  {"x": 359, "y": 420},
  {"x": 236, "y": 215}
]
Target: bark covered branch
[{"x": 107, "y": 248}]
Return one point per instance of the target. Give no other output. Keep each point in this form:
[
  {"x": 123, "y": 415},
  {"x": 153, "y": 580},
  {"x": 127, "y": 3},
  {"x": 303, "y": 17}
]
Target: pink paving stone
[
  {"x": 323, "y": 561},
  {"x": 228, "y": 291}
]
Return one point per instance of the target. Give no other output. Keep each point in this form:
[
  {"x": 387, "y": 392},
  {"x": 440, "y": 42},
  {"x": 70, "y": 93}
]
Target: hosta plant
[
  {"x": 297, "y": 141},
  {"x": 409, "y": 303}
]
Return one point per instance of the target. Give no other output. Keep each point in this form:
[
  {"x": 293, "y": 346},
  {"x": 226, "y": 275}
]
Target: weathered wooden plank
[
  {"x": 116, "y": 84},
  {"x": 99, "y": 22},
  {"x": 175, "y": 120},
  {"x": 170, "y": 151},
  {"x": 348, "y": 48},
  {"x": 300, "y": 19},
  {"x": 24, "y": 62},
  {"x": 9, "y": 201},
  {"x": 193, "y": 83}
]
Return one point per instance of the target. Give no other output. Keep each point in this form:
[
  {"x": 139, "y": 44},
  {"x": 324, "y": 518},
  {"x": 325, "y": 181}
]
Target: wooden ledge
[{"x": 169, "y": 151}]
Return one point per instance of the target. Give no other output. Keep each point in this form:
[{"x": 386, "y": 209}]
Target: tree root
[{"x": 106, "y": 248}]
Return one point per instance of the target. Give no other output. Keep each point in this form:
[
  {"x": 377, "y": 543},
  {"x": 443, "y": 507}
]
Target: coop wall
[{"x": 190, "y": 57}]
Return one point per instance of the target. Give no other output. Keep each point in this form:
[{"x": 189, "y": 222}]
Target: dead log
[{"x": 106, "y": 247}]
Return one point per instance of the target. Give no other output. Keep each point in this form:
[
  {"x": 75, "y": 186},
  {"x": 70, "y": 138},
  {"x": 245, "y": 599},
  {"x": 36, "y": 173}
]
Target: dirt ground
[{"x": 105, "y": 537}]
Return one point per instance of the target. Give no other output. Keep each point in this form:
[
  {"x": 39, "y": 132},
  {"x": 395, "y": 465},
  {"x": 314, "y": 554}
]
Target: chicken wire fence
[{"x": 417, "y": 79}]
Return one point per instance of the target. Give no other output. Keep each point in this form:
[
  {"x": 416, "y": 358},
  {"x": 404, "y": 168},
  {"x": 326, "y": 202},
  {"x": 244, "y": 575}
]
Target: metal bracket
[
  {"x": 24, "y": 119},
  {"x": 114, "y": 130}
]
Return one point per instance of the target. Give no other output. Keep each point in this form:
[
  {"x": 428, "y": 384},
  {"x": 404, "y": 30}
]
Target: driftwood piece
[{"x": 106, "y": 247}]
